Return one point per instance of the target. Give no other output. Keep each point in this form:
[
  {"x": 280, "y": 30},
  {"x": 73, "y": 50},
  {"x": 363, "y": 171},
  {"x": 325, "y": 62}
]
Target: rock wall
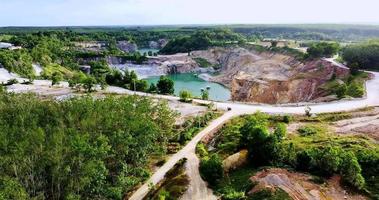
[{"x": 271, "y": 77}]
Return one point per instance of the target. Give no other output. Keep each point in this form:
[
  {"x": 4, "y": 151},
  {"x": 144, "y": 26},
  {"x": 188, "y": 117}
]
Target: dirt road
[{"x": 187, "y": 152}]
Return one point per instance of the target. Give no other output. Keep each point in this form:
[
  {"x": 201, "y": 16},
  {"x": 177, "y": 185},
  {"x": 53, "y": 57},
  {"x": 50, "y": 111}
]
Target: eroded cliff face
[{"x": 270, "y": 77}]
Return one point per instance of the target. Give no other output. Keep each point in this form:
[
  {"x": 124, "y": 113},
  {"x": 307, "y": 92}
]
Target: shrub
[
  {"x": 141, "y": 85},
  {"x": 303, "y": 160},
  {"x": 327, "y": 160},
  {"x": 322, "y": 49},
  {"x": 211, "y": 169},
  {"x": 307, "y": 130},
  {"x": 341, "y": 91},
  {"x": 204, "y": 94},
  {"x": 287, "y": 119},
  {"x": 355, "y": 89},
  {"x": 351, "y": 170},
  {"x": 165, "y": 85},
  {"x": 56, "y": 78},
  {"x": 234, "y": 195},
  {"x": 201, "y": 150},
  {"x": 152, "y": 88},
  {"x": 185, "y": 96},
  {"x": 280, "y": 131}
]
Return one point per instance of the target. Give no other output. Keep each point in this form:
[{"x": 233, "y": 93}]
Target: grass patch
[
  {"x": 237, "y": 180},
  {"x": 202, "y": 62},
  {"x": 331, "y": 117},
  {"x": 266, "y": 194}
]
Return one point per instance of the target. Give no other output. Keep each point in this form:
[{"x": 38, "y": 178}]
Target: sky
[{"x": 167, "y": 12}]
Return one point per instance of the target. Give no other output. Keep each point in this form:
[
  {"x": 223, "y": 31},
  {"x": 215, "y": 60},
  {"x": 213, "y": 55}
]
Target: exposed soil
[
  {"x": 300, "y": 186},
  {"x": 267, "y": 77},
  {"x": 365, "y": 123}
]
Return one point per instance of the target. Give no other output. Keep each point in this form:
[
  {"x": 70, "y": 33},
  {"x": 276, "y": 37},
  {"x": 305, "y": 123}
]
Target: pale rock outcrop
[{"x": 271, "y": 77}]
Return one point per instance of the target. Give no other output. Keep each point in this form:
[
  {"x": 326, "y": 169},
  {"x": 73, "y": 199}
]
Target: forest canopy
[{"x": 80, "y": 148}]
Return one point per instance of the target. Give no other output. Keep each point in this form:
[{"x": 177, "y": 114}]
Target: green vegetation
[
  {"x": 322, "y": 49},
  {"x": 19, "y": 62},
  {"x": 185, "y": 96},
  {"x": 201, "y": 40},
  {"x": 352, "y": 86},
  {"x": 81, "y": 148},
  {"x": 211, "y": 169},
  {"x": 314, "y": 150},
  {"x": 311, "y": 130},
  {"x": 204, "y": 94},
  {"x": 165, "y": 85},
  {"x": 173, "y": 186},
  {"x": 362, "y": 56},
  {"x": 202, "y": 62},
  {"x": 264, "y": 194},
  {"x": 192, "y": 126}
]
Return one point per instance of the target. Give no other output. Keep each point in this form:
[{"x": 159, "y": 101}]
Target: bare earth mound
[{"x": 300, "y": 187}]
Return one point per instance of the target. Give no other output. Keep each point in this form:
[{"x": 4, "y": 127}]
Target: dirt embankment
[
  {"x": 271, "y": 77},
  {"x": 300, "y": 186}
]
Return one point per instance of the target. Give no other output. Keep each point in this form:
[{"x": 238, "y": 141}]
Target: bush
[
  {"x": 202, "y": 151},
  {"x": 141, "y": 85},
  {"x": 328, "y": 160},
  {"x": 204, "y": 94},
  {"x": 233, "y": 195},
  {"x": 303, "y": 160},
  {"x": 287, "y": 119},
  {"x": 185, "y": 96},
  {"x": 355, "y": 89},
  {"x": 56, "y": 78},
  {"x": 351, "y": 170},
  {"x": 152, "y": 88},
  {"x": 341, "y": 91},
  {"x": 211, "y": 169},
  {"x": 165, "y": 85},
  {"x": 307, "y": 130},
  {"x": 280, "y": 131}
]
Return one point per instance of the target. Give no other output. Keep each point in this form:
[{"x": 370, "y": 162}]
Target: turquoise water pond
[{"x": 194, "y": 84}]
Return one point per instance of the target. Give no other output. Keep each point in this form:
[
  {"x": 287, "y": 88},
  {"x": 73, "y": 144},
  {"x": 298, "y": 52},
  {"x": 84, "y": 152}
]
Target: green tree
[
  {"x": 211, "y": 169},
  {"x": 165, "y": 85},
  {"x": 152, "y": 88},
  {"x": 56, "y": 78},
  {"x": 89, "y": 83},
  {"x": 323, "y": 49},
  {"x": 141, "y": 85}
]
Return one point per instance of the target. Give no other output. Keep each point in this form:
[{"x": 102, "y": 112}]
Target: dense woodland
[{"x": 81, "y": 148}]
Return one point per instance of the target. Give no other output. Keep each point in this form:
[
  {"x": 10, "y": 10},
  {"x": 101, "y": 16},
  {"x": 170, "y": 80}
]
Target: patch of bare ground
[
  {"x": 300, "y": 186},
  {"x": 364, "y": 123}
]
